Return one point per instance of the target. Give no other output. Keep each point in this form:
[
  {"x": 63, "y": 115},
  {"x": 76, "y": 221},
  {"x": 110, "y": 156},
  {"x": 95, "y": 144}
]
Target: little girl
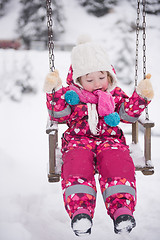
[{"x": 92, "y": 106}]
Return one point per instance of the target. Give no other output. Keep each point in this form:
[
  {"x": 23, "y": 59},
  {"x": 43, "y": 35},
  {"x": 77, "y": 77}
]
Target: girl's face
[{"x": 95, "y": 81}]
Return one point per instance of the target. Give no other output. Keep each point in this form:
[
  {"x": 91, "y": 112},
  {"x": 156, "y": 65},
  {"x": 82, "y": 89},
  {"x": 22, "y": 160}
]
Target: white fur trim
[{"x": 92, "y": 118}]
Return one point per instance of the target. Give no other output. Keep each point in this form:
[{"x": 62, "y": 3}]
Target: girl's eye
[
  {"x": 101, "y": 78},
  {"x": 89, "y": 80}
]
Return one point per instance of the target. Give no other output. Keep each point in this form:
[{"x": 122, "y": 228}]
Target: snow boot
[
  {"x": 81, "y": 223},
  {"x": 123, "y": 221}
]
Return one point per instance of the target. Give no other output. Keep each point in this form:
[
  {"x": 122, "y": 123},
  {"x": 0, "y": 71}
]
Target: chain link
[
  {"x": 144, "y": 45},
  {"x": 52, "y": 113},
  {"x": 137, "y": 41},
  {"x": 144, "y": 38},
  {"x": 50, "y": 35},
  {"x": 51, "y": 50},
  {"x": 144, "y": 49}
]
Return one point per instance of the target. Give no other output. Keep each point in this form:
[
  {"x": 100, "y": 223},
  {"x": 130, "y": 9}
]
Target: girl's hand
[
  {"x": 52, "y": 81},
  {"x": 71, "y": 97},
  {"x": 145, "y": 88}
]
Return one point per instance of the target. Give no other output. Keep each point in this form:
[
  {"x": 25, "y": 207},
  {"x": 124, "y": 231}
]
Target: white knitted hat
[{"x": 90, "y": 57}]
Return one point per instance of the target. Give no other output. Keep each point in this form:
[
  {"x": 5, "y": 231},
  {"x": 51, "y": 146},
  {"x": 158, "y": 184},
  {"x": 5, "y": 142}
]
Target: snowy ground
[{"x": 31, "y": 208}]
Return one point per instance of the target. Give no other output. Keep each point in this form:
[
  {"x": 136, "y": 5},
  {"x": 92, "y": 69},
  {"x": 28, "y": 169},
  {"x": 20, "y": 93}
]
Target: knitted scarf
[{"x": 104, "y": 101}]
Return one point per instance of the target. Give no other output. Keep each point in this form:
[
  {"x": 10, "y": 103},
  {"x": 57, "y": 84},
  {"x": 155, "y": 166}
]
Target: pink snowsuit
[{"x": 106, "y": 153}]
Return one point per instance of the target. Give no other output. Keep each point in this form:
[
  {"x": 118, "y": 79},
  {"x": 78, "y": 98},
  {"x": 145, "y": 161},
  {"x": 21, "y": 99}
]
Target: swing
[{"x": 141, "y": 159}]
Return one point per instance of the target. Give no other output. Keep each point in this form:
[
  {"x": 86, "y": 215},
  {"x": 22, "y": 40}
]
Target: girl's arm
[
  {"x": 55, "y": 101},
  {"x": 130, "y": 108},
  {"x": 61, "y": 109}
]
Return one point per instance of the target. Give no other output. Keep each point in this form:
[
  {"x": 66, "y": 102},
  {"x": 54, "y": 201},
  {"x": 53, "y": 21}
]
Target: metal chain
[
  {"x": 50, "y": 35},
  {"x": 144, "y": 45},
  {"x": 144, "y": 38},
  {"x": 144, "y": 49},
  {"x": 52, "y": 113},
  {"x": 51, "y": 50},
  {"x": 137, "y": 41}
]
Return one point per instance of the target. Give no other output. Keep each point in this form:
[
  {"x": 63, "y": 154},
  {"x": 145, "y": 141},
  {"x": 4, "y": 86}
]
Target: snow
[
  {"x": 124, "y": 225},
  {"x": 137, "y": 155},
  {"x": 31, "y": 208},
  {"x": 82, "y": 226}
]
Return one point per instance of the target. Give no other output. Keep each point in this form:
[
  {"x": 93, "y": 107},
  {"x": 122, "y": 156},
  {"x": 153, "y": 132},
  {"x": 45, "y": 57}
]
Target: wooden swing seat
[{"x": 141, "y": 159}]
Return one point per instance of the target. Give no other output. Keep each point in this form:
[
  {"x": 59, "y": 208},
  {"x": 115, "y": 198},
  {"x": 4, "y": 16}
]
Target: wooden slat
[
  {"x": 135, "y": 132},
  {"x": 51, "y": 126},
  {"x": 146, "y": 123},
  {"x": 52, "y": 175},
  {"x": 147, "y": 145},
  {"x": 147, "y": 169}
]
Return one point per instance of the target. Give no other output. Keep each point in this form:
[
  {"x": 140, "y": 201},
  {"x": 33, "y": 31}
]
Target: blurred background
[{"x": 30, "y": 207}]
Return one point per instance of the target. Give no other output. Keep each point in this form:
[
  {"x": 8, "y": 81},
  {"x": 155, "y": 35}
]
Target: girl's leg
[
  {"x": 78, "y": 183},
  {"x": 117, "y": 180}
]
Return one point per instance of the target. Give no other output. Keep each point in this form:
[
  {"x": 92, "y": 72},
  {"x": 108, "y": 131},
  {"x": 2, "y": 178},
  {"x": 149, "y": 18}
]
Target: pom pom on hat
[{"x": 84, "y": 38}]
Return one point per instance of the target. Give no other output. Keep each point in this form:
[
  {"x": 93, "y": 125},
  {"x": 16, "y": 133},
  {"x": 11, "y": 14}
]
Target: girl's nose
[{"x": 97, "y": 85}]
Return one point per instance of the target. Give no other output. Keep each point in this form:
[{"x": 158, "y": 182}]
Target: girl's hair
[{"x": 110, "y": 79}]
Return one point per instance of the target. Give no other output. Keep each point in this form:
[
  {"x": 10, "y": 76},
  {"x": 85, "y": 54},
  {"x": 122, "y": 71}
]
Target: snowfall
[{"x": 31, "y": 208}]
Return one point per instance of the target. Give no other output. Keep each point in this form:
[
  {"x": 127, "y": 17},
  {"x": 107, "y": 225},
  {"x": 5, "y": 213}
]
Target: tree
[
  {"x": 153, "y": 7},
  {"x": 98, "y": 7},
  {"x": 125, "y": 52},
  {"x": 32, "y": 22},
  {"x": 3, "y": 4}
]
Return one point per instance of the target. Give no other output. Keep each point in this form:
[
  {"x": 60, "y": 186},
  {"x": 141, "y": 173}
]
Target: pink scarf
[{"x": 104, "y": 100}]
